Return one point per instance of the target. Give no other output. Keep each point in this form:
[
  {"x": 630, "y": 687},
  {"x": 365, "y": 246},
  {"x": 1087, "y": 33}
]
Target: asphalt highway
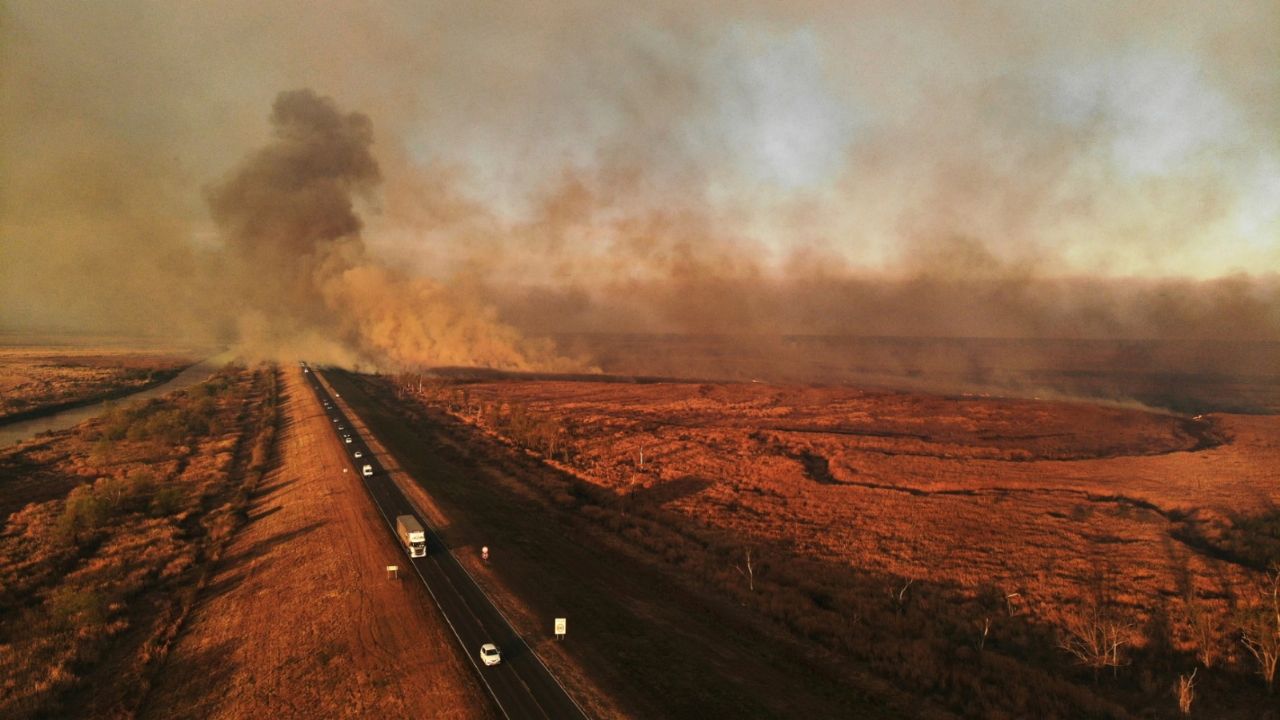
[{"x": 520, "y": 685}]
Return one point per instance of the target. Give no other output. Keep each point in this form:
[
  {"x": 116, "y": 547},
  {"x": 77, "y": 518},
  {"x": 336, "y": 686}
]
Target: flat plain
[
  {"x": 1030, "y": 522},
  {"x": 40, "y": 379}
]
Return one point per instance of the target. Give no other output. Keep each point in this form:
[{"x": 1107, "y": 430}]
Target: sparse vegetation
[
  {"x": 1096, "y": 633},
  {"x": 1045, "y": 636},
  {"x": 36, "y": 380},
  {"x": 1260, "y": 628},
  {"x": 1205, "y": 628},
  {"x": 1186, "y": 691},
  {"x": 110, "y": 569}
]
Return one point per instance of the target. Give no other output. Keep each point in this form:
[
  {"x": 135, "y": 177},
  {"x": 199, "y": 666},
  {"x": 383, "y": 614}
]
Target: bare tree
[
  {"x": 1205, "y": 630},
  {"x": 1260, "y": 629},
  {"x": 1011, "y": 601},
  {"x": 900, "y": 597},
  {"x": 749, "y": 572},
  {"x": 1186, "y": 691},
  {"x": 1095, "y": 634},
  {"x": 1095, "y": 639}
]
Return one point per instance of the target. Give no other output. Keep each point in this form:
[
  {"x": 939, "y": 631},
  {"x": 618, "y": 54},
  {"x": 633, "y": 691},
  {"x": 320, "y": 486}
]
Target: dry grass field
[
  {"x": 1034, "y": 530},
  {"x": 109, "y": 531},
  {"x": 36, "y": 379},
  {"x": 202, "y": 555}
]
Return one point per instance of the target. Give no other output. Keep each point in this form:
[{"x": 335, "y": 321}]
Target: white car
[
  {"x": 490, "y": 654},
  {"x": 347, "y": 439},
  {"x": 357, "y": 454}
]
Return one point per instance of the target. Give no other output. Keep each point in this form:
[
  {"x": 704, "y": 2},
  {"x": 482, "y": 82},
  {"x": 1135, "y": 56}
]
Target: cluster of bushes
[
  {"x": 156, "y": 421},
  {"x": 93, "y": 506},
  {"x": 128, "y": 550}
]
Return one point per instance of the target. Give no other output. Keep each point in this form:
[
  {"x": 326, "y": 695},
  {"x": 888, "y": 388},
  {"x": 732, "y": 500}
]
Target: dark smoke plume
[{"x": 288, "y": 217}]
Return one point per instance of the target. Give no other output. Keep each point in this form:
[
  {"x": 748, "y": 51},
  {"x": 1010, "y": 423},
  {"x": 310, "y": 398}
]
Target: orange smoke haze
[
  {"x": 300, "y": 266},
  {"x": 464, "y": 181}
]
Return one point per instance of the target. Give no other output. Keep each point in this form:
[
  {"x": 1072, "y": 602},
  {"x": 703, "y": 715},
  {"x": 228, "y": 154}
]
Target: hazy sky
[{"x": 579, "y": 143}]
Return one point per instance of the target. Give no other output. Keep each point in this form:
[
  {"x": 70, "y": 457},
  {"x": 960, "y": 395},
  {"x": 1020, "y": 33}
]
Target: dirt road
[{"x": 300, "y": 620}]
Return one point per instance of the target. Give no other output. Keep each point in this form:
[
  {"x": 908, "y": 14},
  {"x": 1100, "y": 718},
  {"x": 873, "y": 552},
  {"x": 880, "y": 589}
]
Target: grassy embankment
[{"x": 94, "y": 585}]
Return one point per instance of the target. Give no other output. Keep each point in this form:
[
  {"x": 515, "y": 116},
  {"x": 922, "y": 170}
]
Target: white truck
[
  {"x": 412, "y": 536},
  {"x": 367, "y": 471}
]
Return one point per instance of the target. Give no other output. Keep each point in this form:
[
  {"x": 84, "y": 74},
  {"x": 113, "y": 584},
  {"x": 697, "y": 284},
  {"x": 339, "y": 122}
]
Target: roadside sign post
[
  {"x": 562, "y": 625},
  {"x": 393, "y": 572},
  {"x": 484, "y": 553}
]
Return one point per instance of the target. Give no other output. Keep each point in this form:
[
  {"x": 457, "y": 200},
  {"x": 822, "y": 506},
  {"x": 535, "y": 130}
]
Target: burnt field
[{"x": 979, "y": 556}]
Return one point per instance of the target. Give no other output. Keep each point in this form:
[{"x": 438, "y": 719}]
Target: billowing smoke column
[{"x": 298, "y": 264}]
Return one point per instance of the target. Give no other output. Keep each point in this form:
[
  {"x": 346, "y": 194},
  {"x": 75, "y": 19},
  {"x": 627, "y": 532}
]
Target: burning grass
[{"x": 94, "y": 583}]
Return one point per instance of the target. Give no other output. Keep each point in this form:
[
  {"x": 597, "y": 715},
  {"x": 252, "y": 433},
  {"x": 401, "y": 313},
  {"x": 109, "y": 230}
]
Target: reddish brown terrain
[
  {"x": 919, "y": 484},
  {"x": 768, "y": 549},
  {"x": 300, "y": 619},
  {"x": 1055, "y": 513},
  {"x": 109, "y": 530},
  {"x": 38, "y": 379},
  {"x": 202, "y": 554}
]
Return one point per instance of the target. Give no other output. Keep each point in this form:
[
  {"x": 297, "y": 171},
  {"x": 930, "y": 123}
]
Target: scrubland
[
  {"x": 996, "y": 557},
  {"x": 40, "y": 379},
  {"x": 110, "y": 531}
]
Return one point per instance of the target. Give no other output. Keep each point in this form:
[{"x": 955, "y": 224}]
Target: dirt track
[{"x": 300, "y": 619}]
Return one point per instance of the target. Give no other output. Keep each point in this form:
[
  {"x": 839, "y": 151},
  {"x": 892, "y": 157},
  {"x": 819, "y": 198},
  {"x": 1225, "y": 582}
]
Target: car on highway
[
  {"x": 346, "y": 439},
  {"x": 490, "y": 654},
  {"x": 357, "y": 454}
]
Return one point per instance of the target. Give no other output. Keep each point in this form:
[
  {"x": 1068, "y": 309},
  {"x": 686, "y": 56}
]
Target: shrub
[
  {"x": 71, "y": 608},
  {"x": 83, "y": 511},
  {"x": 167, "y": 500}
]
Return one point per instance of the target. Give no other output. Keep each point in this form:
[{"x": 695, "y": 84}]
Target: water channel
[{"x": 27, "y": 429}]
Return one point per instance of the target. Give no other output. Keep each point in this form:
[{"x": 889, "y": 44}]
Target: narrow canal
[{"x": 27, "y": 429}]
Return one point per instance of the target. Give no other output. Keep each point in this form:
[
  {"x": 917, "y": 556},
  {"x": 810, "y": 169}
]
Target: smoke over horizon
[
  {"x": 453, "y": 186},
  {"x": 305, "y": 277}
]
